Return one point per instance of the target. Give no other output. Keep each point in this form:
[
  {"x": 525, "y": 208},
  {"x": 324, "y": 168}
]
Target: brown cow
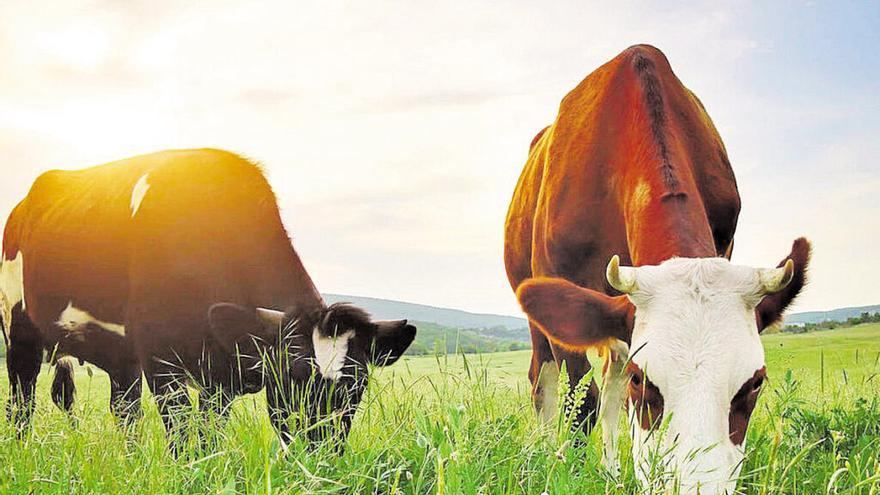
[
  {"x": 177, "y": 263},
  {"x": 634, "y": 167}
]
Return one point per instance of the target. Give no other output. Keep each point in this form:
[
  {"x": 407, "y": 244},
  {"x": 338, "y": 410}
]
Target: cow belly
[
  {"x": 62, "y": 313},
  {"x": 73, "y": 320},
  {"x": 71, "y": 285},
  {"x": 84, "y": 317},
  {"x": 55, "y": 322}
]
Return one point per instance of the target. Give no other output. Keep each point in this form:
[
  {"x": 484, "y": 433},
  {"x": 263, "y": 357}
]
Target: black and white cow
[{"x": 177, "y": 264}]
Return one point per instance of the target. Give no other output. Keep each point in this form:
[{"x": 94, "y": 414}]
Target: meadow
[{"x": 459, "y": 424}]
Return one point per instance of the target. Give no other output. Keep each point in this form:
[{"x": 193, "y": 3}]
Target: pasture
[{"x": 454, "y": 424}]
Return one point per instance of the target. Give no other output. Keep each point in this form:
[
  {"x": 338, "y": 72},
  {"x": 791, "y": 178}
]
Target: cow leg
[
  {"x": 279, "y": 404},
  {"x": 23, "y": 360},
  {"x": 215, "y": 400},
  {"x": 214, "y": 406},
  {"x": 169, "y": 389},
  {"x": 612, "y": 398},
  {"x": 578, "y": 366},
  {"x": 125, "y": 393},
  {"x": 23, "y": 366},
  {"x": 544, "y": 376}
]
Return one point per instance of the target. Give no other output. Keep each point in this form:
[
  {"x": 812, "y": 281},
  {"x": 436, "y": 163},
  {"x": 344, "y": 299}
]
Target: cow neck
[
  {"x": 664, "y": 222},
  {"x": 662, "y": 207},
  {"x": 291, "y": 287}
]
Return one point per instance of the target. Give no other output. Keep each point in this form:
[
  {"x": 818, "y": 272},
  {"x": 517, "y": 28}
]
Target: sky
[{"x": 394, "y": 132}]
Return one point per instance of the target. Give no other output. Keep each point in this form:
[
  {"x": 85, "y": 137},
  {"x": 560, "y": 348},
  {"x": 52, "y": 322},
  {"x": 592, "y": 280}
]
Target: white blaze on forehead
[
  {"x": 74, "y": 319},
  {"x": 138, "y": 192},
  {"x": 11, "y": 286},
  {"x": 330, "y": 353}
]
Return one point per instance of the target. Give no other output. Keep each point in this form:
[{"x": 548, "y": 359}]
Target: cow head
[
  {"x": 315, "y": 363},
  {"x": 696, "y": 359}
]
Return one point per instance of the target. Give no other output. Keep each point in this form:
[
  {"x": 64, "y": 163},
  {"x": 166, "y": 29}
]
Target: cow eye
[{"x": 636, "y": 380}]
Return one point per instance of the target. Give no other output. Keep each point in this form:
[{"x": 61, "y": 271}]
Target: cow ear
[
  {"x": 773, "y": 306},
  {"x": 231, "y": 323},
  {"x": 575, "y": 317},
  {"x": 392, "y": 339}
]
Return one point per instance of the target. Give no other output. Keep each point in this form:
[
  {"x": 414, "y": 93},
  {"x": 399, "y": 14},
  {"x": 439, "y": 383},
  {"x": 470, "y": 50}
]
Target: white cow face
[{"x": 697, "y": 362}]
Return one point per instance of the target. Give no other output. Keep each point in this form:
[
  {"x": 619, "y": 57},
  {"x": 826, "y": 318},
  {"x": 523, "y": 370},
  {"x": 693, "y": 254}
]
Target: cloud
[
  {"x": 437, "y": 99},
  {"x": 266, "y": 97},
  {"x": 394, "y": 132}
]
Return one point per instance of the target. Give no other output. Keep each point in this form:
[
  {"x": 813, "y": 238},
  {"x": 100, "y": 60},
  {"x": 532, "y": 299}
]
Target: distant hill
[
  {"x": 437, "y": 339},
  {"x": 840, "y": 314},
  {"x": 447, "y": 330},
  {"x": 511, "y": 328},
  {"x": 385, "y": 309}
]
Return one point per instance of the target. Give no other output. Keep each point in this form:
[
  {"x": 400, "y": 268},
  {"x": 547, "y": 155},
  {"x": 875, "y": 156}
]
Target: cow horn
[
  {"x": 271, "y": 318},
  {"x": 622, "y": 278},
  {"x": 775, "y": 279}
]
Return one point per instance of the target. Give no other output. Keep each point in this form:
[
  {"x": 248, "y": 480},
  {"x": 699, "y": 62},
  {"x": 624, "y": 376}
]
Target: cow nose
[
  {"x": 712, "y": 472},
  {"x": 712, "y": 486}
]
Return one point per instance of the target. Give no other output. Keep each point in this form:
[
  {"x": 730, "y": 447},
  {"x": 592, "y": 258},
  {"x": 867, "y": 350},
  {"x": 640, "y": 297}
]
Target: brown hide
[{"x": 631, "y": 166}]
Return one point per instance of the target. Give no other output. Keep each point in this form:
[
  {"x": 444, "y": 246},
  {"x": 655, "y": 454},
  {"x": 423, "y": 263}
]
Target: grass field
[{"x": 454, "y": 425}]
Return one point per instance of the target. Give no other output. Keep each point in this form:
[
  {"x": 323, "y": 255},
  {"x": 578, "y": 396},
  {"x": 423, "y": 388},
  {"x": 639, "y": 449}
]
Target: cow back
[{"x": 633, "y": 166}]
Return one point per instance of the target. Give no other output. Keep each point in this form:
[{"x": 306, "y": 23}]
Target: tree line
[{"x": 865, "y": 317}]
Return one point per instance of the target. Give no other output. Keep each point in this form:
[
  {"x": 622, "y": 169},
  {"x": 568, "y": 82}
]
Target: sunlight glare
[{"x": 84, "y": 46}]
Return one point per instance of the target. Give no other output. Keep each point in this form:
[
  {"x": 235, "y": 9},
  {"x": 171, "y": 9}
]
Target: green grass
[{"x": 460, "y": 425}]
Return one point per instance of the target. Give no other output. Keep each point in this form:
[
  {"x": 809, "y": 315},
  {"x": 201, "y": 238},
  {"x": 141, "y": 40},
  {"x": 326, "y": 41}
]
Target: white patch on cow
[
  {"x": 74, "y": 319},
  {"x": 696, "y": 339},
  {"x": 11, "y": 287},
  {"x": 548, "y": 392},
  {"x": 330, "y": 353},
  {"x": 611, "y": 400},
  {"x": 138, "y": 192}
]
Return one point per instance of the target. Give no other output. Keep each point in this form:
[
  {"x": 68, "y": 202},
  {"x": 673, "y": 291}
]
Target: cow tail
[{"x": 63, "y": 387}]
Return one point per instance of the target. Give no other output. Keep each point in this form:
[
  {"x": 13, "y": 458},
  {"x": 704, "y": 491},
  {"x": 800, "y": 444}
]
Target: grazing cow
[
  {"x": 177, "y": 263},
  {"x": 633, "y": 167}
]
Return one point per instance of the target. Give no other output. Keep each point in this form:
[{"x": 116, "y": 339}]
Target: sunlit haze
[{"x": 394, "y": 132}]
